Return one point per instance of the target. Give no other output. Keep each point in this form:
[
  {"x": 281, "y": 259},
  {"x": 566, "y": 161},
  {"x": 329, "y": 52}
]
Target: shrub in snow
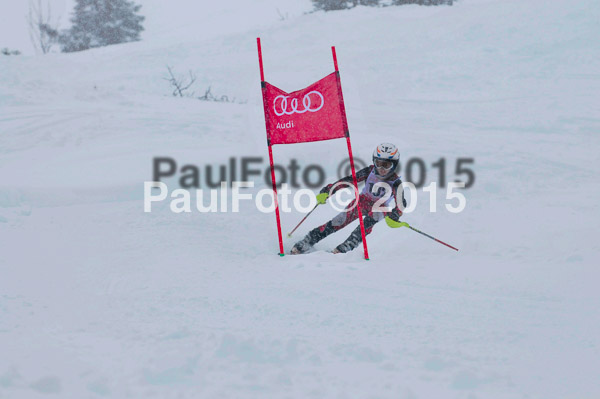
[{"x": 7, "y": 51}]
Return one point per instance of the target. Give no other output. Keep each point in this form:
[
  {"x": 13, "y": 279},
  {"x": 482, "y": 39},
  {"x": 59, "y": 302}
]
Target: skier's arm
[
  {"x": 361, "y": 175},
  {"x": 398, "y": 194}
]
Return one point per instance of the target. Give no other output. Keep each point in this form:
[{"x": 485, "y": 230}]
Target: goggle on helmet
[{"x": 386, "y": 158}]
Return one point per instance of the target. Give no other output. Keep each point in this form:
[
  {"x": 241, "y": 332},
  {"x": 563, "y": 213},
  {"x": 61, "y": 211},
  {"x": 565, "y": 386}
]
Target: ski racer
[{"x": 386, "y": 158}]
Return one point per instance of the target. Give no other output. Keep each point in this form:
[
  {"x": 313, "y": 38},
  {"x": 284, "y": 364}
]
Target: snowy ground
[{"x": 99, "y": 299}]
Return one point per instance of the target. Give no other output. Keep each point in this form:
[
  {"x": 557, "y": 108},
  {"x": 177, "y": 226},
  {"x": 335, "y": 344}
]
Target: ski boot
[
  {"x": 301, "y": 247},
  {"x": 350, "y": 243}
]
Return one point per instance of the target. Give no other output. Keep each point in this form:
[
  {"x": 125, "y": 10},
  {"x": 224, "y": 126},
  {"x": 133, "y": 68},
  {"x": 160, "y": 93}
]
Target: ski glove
[
  {"x": 322, "y": 198},
  {"x": 394, "y": 224}
]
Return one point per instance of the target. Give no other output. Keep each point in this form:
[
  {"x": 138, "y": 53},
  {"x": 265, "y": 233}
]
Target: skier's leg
[
  {"x": 356, "y": 237},
  {"x": 340, "y": 221}
]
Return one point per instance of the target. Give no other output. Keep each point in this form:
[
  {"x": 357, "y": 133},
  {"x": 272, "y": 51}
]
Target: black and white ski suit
[{"x": 374, "y": 198}]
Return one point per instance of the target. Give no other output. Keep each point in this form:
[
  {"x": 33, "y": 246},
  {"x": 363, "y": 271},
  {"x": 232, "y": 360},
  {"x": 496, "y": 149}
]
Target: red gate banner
[{"x": 310, "y": 114}]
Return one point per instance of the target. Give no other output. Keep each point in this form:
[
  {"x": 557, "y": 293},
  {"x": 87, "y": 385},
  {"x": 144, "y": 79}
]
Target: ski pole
[
  {"x": 290, "y": 233},
  {"x": 427, "y": 235}
]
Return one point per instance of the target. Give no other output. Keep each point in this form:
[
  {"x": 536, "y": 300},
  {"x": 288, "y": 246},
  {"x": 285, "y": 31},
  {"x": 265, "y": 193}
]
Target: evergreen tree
[
  {"x": 98, "y": 23},
  {"x": 330, "y": 5}
]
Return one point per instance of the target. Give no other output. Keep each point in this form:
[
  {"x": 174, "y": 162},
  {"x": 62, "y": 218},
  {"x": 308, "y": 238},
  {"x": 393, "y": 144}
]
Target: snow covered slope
[{"x": 99, "y": 299}]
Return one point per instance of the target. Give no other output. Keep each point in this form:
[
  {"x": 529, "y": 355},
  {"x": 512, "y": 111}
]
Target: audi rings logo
[{"x": 309, "y": 102}]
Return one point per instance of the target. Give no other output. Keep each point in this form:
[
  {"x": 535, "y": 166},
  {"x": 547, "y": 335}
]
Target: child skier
[{"x": 386, "y": 159}]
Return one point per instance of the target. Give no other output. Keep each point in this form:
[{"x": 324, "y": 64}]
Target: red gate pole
[
  {"x": 264, "y": 88},
  {"x": 347, "y": 131}
]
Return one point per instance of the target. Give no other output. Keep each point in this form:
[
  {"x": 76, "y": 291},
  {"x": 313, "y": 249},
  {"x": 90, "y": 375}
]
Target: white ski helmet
[{"x": 386, "y": 159}]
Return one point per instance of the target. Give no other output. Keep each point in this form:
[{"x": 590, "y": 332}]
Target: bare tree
[
  {"x": 282, "y": 17},
  {"x": 42, "y": 30},
  {"x": 180, "y": 84}
]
